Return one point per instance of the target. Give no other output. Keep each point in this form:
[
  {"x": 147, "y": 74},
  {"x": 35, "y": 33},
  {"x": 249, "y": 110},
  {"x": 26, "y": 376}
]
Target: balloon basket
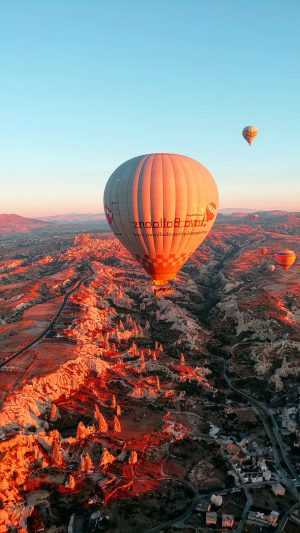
[{"x": 162, "y": 289}]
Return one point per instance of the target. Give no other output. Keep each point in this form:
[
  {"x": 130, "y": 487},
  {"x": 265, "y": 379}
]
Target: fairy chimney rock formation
[
  {"x": 102, "y": 424},
  {"x": 117, "y": 425}
]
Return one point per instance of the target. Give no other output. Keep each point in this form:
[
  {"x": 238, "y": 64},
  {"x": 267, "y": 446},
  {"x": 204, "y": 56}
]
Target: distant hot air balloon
[
  {"x": 161, "y": 207},
  {"x": 264, "y": 251},
  {"x": 285, "y": 258},
  {"x": 249, "y": 133},
  {"x": 271, "y": 268}
]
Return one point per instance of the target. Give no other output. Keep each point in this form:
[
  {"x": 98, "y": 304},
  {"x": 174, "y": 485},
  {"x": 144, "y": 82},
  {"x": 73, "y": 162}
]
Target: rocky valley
[{"x": 125, "y": 409}]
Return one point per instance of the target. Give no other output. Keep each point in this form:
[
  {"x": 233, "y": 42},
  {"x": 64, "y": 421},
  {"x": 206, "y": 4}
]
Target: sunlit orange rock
[
  {"x": 133, "y": 457},
  {"x": 118, "y": 410},
  {"x": 54, "y": 435},
  {"x": 4, "y": 485},
  {"x": 4, "y": 521},
  {"x": 102, "y": 424},
  {"x": 151, "y": 394},
  {"x": 106, "y": 459},
  {"x": 20, "y": 455},
  {"x": 71, "y": 482},
  {"x": 86, "y": 463},
  {"x": 137, "y": 392},
  {"x": 133, "y": 350},
  {"x": 23, "y": 405},
  {"x": 117, "y": 425},
  {"x": 113, "y": 401},
  {"x": 157, "y": 383},
  {"x": 57, "y": 456},
  {"x": 82, "y": 431},
  {"x": 54, "y": 413},
  {"x": 83, "y": 239},
  {"x": 142, "y": 363},
  {"x": 154, "y": 356}
]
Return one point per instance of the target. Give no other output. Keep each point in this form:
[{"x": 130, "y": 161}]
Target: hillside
[
  {"x": 75, "y": 218},
  {"x": 128, "y": 408},
  {"x": 10, "y": 223}
]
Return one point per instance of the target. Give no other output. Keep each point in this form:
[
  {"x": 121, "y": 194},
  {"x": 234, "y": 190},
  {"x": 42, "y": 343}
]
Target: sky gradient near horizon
[{"x": 87, "y": 84}]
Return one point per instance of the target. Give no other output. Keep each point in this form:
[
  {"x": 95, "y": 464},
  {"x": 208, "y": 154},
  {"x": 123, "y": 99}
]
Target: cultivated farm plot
[{"x": 16, "y": 335}]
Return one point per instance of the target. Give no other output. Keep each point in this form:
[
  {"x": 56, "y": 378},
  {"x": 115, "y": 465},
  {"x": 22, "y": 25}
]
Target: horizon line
[{"x": 101, "y": 213}]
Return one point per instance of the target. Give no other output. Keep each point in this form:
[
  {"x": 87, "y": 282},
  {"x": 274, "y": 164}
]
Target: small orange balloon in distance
[
  {"x": 249, "y": 133},
  {"x": 264, "y": 251},
  {"x": 285, "y": 258},
  {"x": 161, "y": 207}
]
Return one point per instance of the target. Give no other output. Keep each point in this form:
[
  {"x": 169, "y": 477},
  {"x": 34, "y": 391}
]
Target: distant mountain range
[
  {"x": 89, "y": 217},
  {"x": 10, "y": 223},
  {"x": 276, "y": 215},
  {"x": 75, "y": 218},
  {"x": 263, "y": 213},
  {"x": 234, "y": 210}
]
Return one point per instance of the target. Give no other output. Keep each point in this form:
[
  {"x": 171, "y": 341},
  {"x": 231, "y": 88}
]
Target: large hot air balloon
[
  {"x": 249, "y": 133},
  {"x": 161, "y": 207},
  {"x": 285, "y": 258}
]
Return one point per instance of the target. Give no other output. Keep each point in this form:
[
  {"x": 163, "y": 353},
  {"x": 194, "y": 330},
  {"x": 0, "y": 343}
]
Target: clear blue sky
[{"x": 87, "y": 84}]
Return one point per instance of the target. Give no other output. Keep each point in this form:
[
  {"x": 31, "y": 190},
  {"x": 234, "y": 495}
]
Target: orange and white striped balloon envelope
[
  {"x": 249, "y": 133},
  {"x": 161, "y": 207},
  {"x": 285, "y": 258}
]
